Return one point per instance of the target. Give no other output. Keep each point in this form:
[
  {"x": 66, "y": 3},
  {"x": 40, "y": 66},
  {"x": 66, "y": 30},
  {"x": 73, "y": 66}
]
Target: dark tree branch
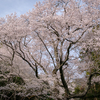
[
  {"x": 67, "y": 56},
  {"x": 20, "y": 54},
  {"x": 45, "y": 47},
  {"x": 25, "y": 60},
  {"x": 21, "y": 49},
  {"x": 64, "y": 82},
  {"x": 74, "y": 42},
  {"x": 38, "y": 64},
  {"x": 36, "y": 67},
  {"x": 61, "y": 51},
  {"x": 56, "y": 58},
  {"x": 13, "y": 55},
  {"x": 55, "y": 31},
  {"x": 76, "y": 29}
]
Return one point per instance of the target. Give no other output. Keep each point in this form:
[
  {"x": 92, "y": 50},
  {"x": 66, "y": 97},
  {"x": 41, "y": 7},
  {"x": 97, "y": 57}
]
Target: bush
[{"x": 16, "y": 79}]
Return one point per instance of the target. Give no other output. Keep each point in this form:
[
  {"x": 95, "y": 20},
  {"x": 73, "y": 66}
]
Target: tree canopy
[{"x": 50, "y": 39}]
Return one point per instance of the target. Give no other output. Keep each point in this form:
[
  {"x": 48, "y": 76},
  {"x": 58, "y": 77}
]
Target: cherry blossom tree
[{"x": 47, "y": 37}]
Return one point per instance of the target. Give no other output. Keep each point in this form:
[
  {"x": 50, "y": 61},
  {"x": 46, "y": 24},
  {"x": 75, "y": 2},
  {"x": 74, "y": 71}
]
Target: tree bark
[{"x": 64, "y": 83}]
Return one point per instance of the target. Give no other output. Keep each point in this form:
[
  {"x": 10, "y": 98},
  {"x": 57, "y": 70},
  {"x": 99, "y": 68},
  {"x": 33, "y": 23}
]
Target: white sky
[{"x": 18, "y": 6}]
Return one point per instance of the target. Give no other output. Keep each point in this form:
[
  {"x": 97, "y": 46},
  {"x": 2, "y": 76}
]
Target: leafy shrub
[{"x": 16, "y": 79}]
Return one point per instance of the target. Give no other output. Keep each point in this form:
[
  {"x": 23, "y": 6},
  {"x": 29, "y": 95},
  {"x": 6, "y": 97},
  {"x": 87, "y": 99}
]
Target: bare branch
[
  {"x": 21, "y": 49},
  {"x": 38, "y": 63},
  {"x": 46, "y": 48},
  {"x": 55, "y": 31},
  {"x": 67, "y": 56},
  {"x": 25, "y": 60}
]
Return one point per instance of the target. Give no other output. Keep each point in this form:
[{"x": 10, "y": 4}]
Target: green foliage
[
  {"x": 50, "y": 99},
  {"x": 79, "y": 89},
  {"x": 94, "y": 90},
  {"x": 7, "y": 72},
  {"x": 0, "y": 72},
  {"x": 3, "y": 83},
  {"x": 1, "y": 77},
  {"x": 16, "y": 79},
  {"x": 96, "y": 28},
  {"x": 11, "y": 95},
  {"x": 94, "y": 57},
  {"x": 33, "y": 97},
  {"x": 87, "y": 73}
]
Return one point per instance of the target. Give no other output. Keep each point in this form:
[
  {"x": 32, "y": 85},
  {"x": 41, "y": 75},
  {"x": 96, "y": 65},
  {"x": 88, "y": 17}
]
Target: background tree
[{"x": 91, "y": 56}]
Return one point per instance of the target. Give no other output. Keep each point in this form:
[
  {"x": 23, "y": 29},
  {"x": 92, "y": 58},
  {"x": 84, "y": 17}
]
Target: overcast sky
[{"x": 18, "y": 6}]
